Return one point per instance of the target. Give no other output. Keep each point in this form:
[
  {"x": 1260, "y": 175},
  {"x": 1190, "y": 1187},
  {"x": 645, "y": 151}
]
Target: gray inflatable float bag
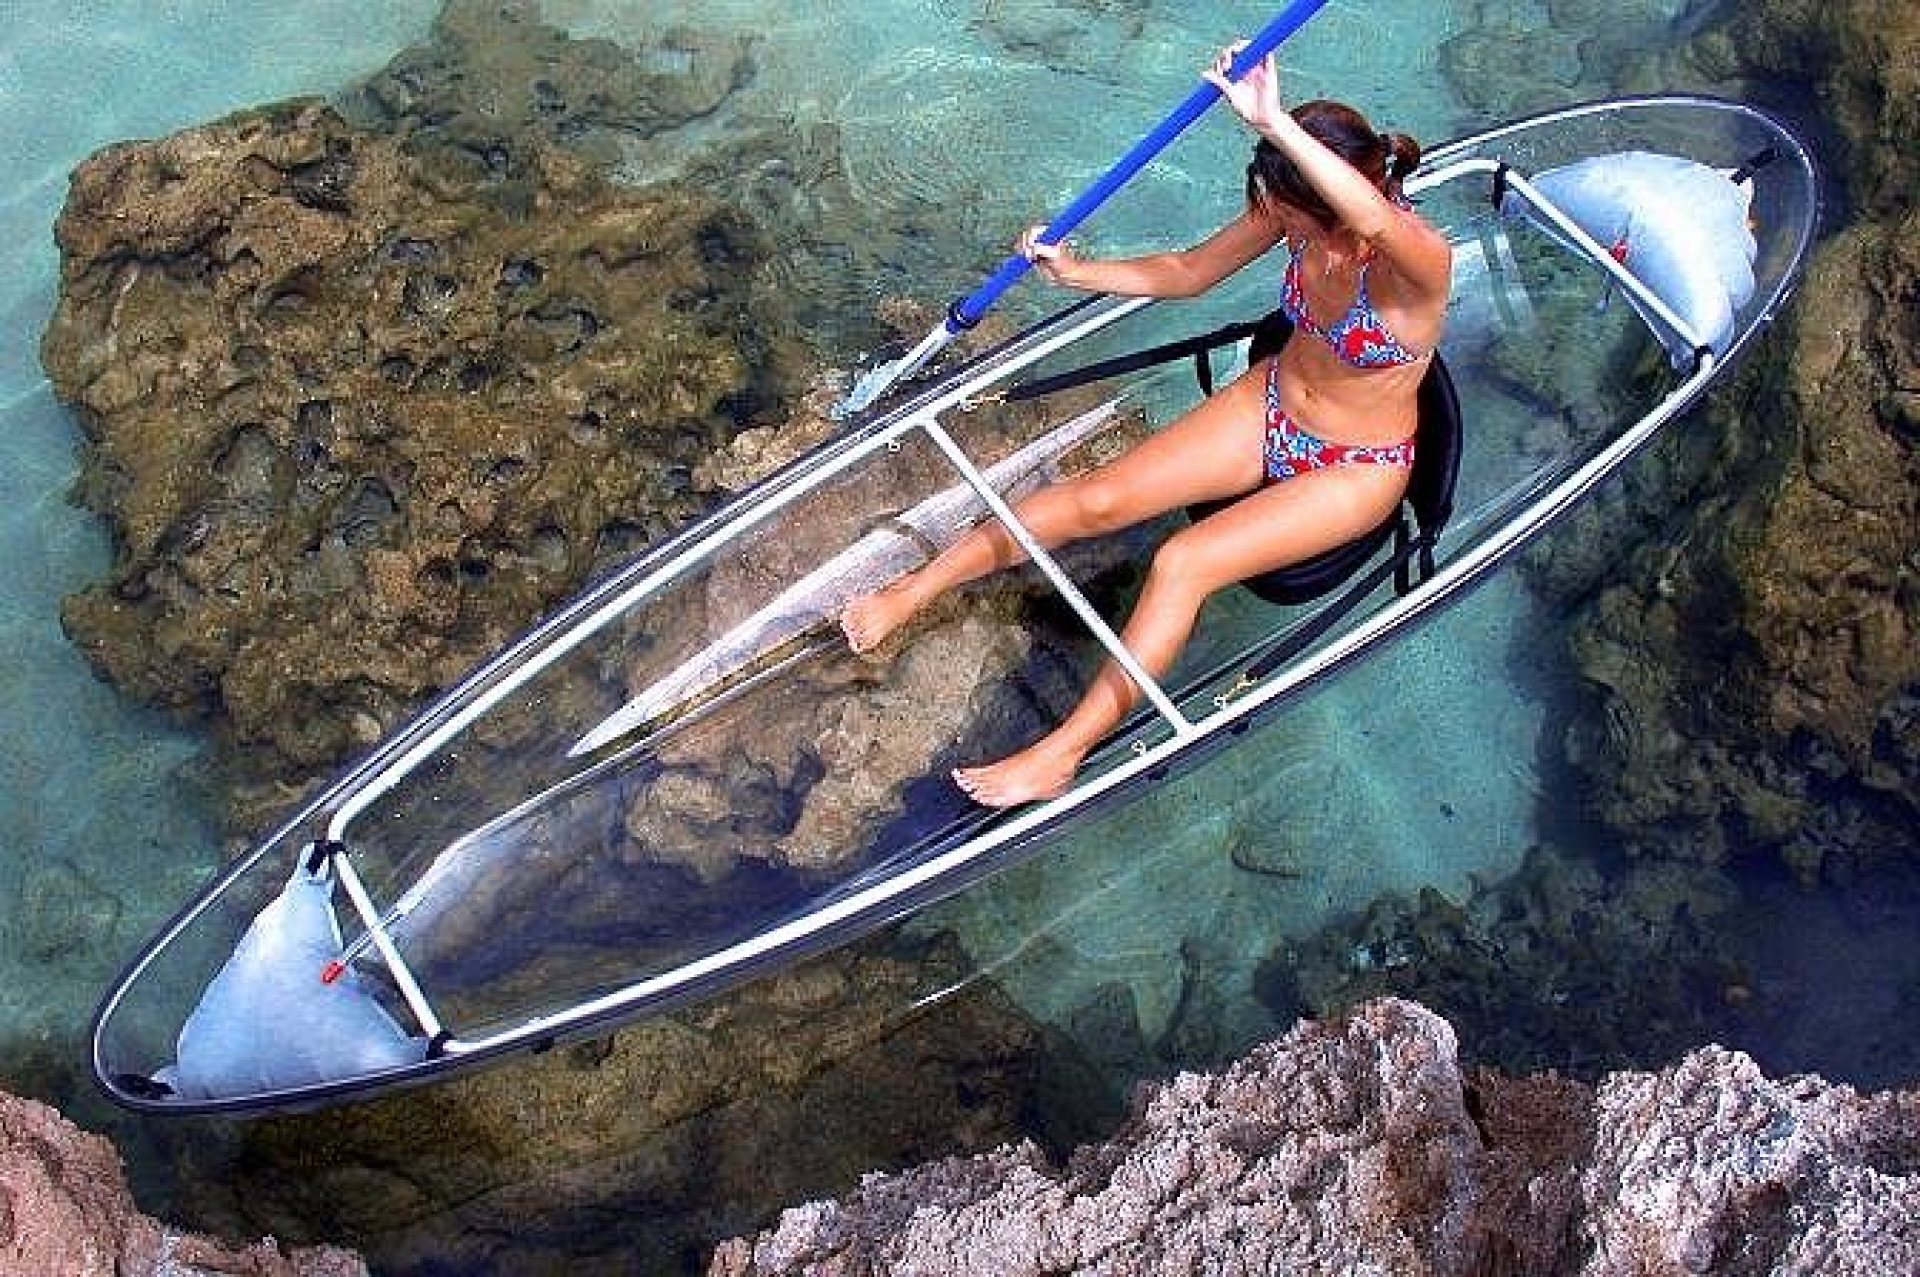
[
  {"x": 1680, "y": 227},
  {"x": 267, "y": 1023}
]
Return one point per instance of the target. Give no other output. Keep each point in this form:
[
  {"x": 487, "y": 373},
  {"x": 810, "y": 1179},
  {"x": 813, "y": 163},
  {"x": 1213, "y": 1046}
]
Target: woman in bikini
[{"x": 1313, "y": 447}]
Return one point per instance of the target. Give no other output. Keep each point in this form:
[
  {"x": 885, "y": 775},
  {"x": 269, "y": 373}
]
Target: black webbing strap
[
  {"x": 1499, "y": 192},
  {"x": 320, "y": 852},
  {"x": 1755, "y": 162},
  {"x": 1409, "y": 550},
  {"x": 1119, "y": 365}
]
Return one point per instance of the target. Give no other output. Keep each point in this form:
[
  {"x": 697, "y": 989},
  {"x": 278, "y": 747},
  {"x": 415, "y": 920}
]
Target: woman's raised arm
[{"x": 1419, "y": 254}]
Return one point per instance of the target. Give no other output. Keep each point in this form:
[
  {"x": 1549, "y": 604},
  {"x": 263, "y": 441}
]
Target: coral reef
[
  {"x": 359, "y": 405},
  {"x": 368, "y": 390},
  {"x": 1859, "y": 58}
]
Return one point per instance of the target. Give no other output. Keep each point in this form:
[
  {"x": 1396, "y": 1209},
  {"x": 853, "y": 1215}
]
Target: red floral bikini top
[{"x": 1360, "y": 337}]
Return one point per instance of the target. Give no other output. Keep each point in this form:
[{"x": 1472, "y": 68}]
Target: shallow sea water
[
  {"x": 102, "y": 831},
  {"x": 99, "y": 834},
  {"x": 964, "y": 114}
]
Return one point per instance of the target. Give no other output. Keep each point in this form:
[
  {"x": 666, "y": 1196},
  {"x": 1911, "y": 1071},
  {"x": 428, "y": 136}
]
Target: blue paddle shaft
[{"x": 966, "y": 312}]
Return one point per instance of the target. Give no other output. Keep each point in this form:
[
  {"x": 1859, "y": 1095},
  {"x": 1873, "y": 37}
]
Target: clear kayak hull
[{"x": 683, "y": 780}]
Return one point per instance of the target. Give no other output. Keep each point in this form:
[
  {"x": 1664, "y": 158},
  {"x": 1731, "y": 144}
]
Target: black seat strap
[{"x": 1197, "y": 346}]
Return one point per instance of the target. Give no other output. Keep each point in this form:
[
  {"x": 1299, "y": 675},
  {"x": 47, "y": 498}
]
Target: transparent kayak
[{"x": 683, "y": 779}]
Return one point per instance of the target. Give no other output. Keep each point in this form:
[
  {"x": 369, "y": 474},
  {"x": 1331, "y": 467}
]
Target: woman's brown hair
[{"x": 1382, "y": 158}]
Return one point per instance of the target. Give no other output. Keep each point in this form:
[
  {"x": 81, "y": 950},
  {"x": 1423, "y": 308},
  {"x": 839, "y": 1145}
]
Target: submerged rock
[
  {"x": 65, "y": 1211},
  {"x": 1504, "y": 66},
  {"x": 355, "y": 416},
  {"x": 807, "y": 777},
  {"x": 1358, "y": 1146},
  {"x": 1560, "y": 963},
  {"x": 492, "y": 74},
  {"x": 1757, "y": 660},
  {"x": 631, "y": 1153},
  {"x": 1862, "y": 58}
]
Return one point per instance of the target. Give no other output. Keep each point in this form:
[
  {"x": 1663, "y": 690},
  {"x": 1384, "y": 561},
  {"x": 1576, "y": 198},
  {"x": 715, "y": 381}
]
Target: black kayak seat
[{"x": 1414, "y": 527}]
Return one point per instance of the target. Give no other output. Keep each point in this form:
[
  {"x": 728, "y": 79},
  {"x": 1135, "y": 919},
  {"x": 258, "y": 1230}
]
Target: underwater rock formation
[
  {"x": 1862, "y": 60},
  {"x": 358, "y": 408},
  {"x": 1358, "y": 1146},
  {"x": 631, "y": 1154},
  {"x": 1557, "y": 965},
  {"x": 367, "y": 391},
  {"x": 1503, "y": 65},
  {"x": 810, "y": 775},
  {"x": 65, "y": 1211},
  {"x": 1757, "y": 660},
  {"x": 491, "y": 75}
]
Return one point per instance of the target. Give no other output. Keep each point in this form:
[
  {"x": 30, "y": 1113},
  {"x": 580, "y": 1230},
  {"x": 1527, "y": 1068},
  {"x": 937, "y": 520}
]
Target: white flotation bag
[
  {"x": 1680, "y": 227},
  {"x": 267, "y": 1023}
]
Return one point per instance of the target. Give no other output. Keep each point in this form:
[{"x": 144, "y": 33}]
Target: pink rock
[{"x": 65, "y": 1211}]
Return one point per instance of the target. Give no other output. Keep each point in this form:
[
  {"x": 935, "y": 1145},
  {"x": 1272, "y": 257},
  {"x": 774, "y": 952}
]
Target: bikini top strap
[
  {"x": 1293, "y": 290},
  {"x": 1362, "y": 299}
]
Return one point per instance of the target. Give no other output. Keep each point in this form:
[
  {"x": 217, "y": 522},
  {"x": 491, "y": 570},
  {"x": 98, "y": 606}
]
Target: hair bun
[{"x": 1403, "y": 154}]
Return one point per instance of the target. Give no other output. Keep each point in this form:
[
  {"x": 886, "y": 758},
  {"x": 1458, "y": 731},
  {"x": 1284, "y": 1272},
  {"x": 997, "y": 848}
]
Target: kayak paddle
[{"x": 966, "y": 312}]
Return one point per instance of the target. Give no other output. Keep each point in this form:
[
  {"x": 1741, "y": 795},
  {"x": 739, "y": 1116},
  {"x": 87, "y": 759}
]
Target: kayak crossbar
[
  {"x": 370, "y": 914},
  {"x": 1064, "y": 584}
]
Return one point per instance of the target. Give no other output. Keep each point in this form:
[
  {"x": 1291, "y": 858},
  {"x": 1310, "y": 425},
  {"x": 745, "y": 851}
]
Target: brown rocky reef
[
  {"x": 358, "y": 405},
  {"x": 492, "y": 75},
  {"x": 1358, "y": 1146},
  {"x": 1757, "y": 659},
  {"x": 1558, "y": 964},
  {"x": 65, "y": 1212}
]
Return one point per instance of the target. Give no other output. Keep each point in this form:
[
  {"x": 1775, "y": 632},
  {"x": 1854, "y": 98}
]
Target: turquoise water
[
  {"x": 970, "y": 119},
  {"x": 101, "y": 836}
]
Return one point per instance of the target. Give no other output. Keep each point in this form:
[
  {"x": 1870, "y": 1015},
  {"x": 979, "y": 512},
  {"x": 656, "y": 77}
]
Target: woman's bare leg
[
  {"x": 1284, "y": 524},
  {"x": 1207, "y": 454},
  {"x": 1055, "y": 514}
]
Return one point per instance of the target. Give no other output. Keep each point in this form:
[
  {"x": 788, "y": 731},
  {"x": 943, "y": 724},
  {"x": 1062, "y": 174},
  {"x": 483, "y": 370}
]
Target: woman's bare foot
[
  {"x": 869, "y": 619},
  {"x": 1042, "y": 770}
]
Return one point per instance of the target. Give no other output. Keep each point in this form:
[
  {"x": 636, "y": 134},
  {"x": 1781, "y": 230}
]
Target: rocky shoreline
[
  {"x": 1349, "y": 1146},
  {"x": 65, "y": 1211},
  {"x": 1361, "y": 1146}
]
